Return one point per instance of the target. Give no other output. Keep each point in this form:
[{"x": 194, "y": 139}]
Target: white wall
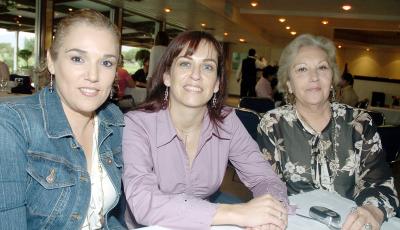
[{"x": 364, "y": 89}]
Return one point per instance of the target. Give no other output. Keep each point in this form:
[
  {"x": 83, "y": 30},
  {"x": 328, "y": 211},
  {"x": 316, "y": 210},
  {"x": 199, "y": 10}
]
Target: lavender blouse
[{"x": 160, "y": 187}]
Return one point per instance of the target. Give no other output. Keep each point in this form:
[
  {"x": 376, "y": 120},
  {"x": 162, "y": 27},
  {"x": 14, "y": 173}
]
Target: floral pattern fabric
[{"x": 346, "y": 157}]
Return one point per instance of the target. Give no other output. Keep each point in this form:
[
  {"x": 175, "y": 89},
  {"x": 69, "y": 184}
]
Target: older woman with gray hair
[{"x": 315, "y": 143}]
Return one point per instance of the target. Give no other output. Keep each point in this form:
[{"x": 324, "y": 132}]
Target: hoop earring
[
  {"x": 214, "y": 101},
  {"x": 165, "y": 101},
  {"x": 51, "y": 87}
]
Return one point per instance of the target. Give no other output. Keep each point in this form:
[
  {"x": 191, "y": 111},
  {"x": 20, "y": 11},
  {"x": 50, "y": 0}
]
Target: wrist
[
  {"x": 228, "y": 214},
  {"x": 376, "y": 212}
]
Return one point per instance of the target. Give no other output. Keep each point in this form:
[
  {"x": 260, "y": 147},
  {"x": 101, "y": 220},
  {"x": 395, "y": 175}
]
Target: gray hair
[{"x": 292, "y": 49}]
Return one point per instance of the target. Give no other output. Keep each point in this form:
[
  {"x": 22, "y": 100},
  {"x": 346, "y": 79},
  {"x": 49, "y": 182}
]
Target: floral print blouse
[{"x": 346, "y": 157}]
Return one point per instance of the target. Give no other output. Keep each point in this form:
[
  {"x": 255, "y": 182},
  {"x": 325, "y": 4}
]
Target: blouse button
[
  {"x": 109, "y": 160},
  {"x": 52, "y": 176}
]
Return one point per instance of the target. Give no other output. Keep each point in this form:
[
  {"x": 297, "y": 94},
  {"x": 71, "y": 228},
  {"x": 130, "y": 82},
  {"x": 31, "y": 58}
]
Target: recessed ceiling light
[
  {"x": 346, "y": 7},
  {"x": 242, "y": 40},
  {"x": 254, "y": 4},
  {"x": 70, "y": 9},
  {"x": 325, "y": 22},
  {"x": 20, "y": 16},
  {"x": 226, "y": 34},
  {"x": 203, "y": 24},
  {"x": 282, "y": 20},
  {"x": 368, "y": 49},
  {"x": 288, "y": 27},
  {"x": 339, "y": 46},
  {"x": 167, "y": 10},
  {"x": 293, "y": 33}
]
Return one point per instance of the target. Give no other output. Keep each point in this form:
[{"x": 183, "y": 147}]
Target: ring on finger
[{"x": 367, "y": 226}]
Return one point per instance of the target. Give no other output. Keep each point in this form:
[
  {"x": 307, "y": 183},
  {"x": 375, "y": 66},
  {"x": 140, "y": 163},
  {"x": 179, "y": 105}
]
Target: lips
[
  {"x": 90, "y": 92},
  {"x": 192, "y": 88}
]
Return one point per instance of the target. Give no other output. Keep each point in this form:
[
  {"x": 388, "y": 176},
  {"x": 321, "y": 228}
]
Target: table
[
  {"x": 304, "y": 201},
  {"x": 392, "y": 116},
  {"x": 138, "y": 94}
]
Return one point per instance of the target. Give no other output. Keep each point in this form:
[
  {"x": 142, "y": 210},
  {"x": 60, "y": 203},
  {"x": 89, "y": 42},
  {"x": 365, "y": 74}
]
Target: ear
[
  {"x": 50, "y": 62},
  {"x": 289, "y": 87},
  {"x": 167, "y": 79},
  {"x": 216, "y": 86}
]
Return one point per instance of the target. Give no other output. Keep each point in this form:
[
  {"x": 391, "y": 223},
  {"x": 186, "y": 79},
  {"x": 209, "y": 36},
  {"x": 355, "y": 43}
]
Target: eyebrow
[
  {"x": 204, "y": 60},
  {"x": 85, "y": 52}
]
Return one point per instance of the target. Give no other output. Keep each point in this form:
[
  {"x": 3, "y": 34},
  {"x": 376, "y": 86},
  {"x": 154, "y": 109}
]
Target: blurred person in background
[
  {"x": 263, "y": 87},
  {"x": 346, "y": 94},
  {"x": 160, "y": 45}
]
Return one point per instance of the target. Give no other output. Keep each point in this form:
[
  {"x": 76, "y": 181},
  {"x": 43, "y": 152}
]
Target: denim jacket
[{"x": 44, "y": 182}]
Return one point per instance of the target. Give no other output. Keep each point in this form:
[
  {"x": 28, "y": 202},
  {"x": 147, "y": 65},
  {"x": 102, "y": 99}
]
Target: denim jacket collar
[{"x": 55, "y": 120}]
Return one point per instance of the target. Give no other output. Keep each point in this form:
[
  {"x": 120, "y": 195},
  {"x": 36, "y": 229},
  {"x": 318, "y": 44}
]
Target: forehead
[
  {"x": 204, "y": 49},
  {"x": 310, "y": 53},
  {"x": 88, "y": 35}
]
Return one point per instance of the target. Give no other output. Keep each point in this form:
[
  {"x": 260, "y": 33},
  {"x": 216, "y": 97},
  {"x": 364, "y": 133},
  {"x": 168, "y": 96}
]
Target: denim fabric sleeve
[{"x": 12, "y": 170}]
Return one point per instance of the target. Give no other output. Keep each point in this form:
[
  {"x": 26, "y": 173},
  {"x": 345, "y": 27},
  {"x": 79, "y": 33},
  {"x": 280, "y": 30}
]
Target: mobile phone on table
[{"x": 326, "y": 216}]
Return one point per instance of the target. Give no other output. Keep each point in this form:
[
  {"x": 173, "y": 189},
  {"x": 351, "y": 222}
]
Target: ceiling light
[
  {"x": 226, "y": 34},
  {"x": 339, "y": 46},
  {"x": 325, "y": 22},
  {"x": 203, "y": 25},
  {"x": 346, "y": 7},
  {"x": 20, "y": 16},
  {"x": 293, "y": 33},
  {"x": 288, "y": 27},
  {"x": 167, "y": 10},
  {"x": 70, "y": 9},
  {"x": 282, "y": 20},
  {"x": 368, "y": 49},
  {"x": 242, "y": 40},
  {"x": 253, "y": 4}
]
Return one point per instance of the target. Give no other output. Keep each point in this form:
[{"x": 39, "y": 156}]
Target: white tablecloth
[
  {"x": 392, "y": 116},
  {"x": 304, "y": 202}
]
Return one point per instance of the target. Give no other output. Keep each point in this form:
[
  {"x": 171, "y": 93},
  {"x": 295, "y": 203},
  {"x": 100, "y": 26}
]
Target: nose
[
  {"x": 196, "y": 71},
  {"x": 314, "y": 75},
  {"x": 93, "y": 73}
]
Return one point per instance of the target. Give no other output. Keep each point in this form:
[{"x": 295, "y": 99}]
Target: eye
[
  {"x": 323, "y": 67},
  {"x": 107, "y": 63},
  {"x": 77, "y": 59},
  {"x": 184, "y": 64},
  {"x": 208, "y": 67},
  {"x": 301, "y": 69}
]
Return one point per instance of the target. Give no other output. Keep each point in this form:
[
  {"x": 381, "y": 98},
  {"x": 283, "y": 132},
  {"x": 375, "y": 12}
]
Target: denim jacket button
[
  {"x": 52, "y": 176},
  {"x": 75, "y": 216},
  {"x": 109, "y": 160}
]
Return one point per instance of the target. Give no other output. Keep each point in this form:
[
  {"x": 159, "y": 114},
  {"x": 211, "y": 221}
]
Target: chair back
[
  {"x": 258, "y": 104},
  {"x": 390, "y": 141},
  {"x": 249, "y": 119},
  {"x": 378, "y": 118}
]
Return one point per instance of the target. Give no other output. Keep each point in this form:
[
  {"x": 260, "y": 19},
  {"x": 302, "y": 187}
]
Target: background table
[{"x": 392, "y": 116}]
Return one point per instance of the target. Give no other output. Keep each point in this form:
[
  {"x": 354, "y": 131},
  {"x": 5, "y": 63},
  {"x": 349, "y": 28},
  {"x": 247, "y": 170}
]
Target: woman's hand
[
  {"x": 363, "y": 217},
  {"x": 264, "y": 212}
]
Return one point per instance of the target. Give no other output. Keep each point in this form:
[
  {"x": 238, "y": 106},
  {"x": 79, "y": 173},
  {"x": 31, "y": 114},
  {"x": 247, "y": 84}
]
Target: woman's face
[
  {"x": 310, "y": 76},
  {"x": 85, "y": 67},
  {"x": 193, "y": 79}
]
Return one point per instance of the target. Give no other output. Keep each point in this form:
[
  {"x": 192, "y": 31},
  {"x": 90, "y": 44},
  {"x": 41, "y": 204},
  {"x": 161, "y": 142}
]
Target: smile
[
  {"x": 191, "y": 88},
  {"x": 89, "y": 91}
]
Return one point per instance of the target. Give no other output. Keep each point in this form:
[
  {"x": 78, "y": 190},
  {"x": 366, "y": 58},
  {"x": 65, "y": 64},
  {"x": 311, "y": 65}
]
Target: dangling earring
[
  {"x": 111, "y": 93},
  {"x": 51, "y": 87},
  {"x": 166, "y": 96},
  {"x": 214, "y": 101},
  {"x": 333, "y": 99}
]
